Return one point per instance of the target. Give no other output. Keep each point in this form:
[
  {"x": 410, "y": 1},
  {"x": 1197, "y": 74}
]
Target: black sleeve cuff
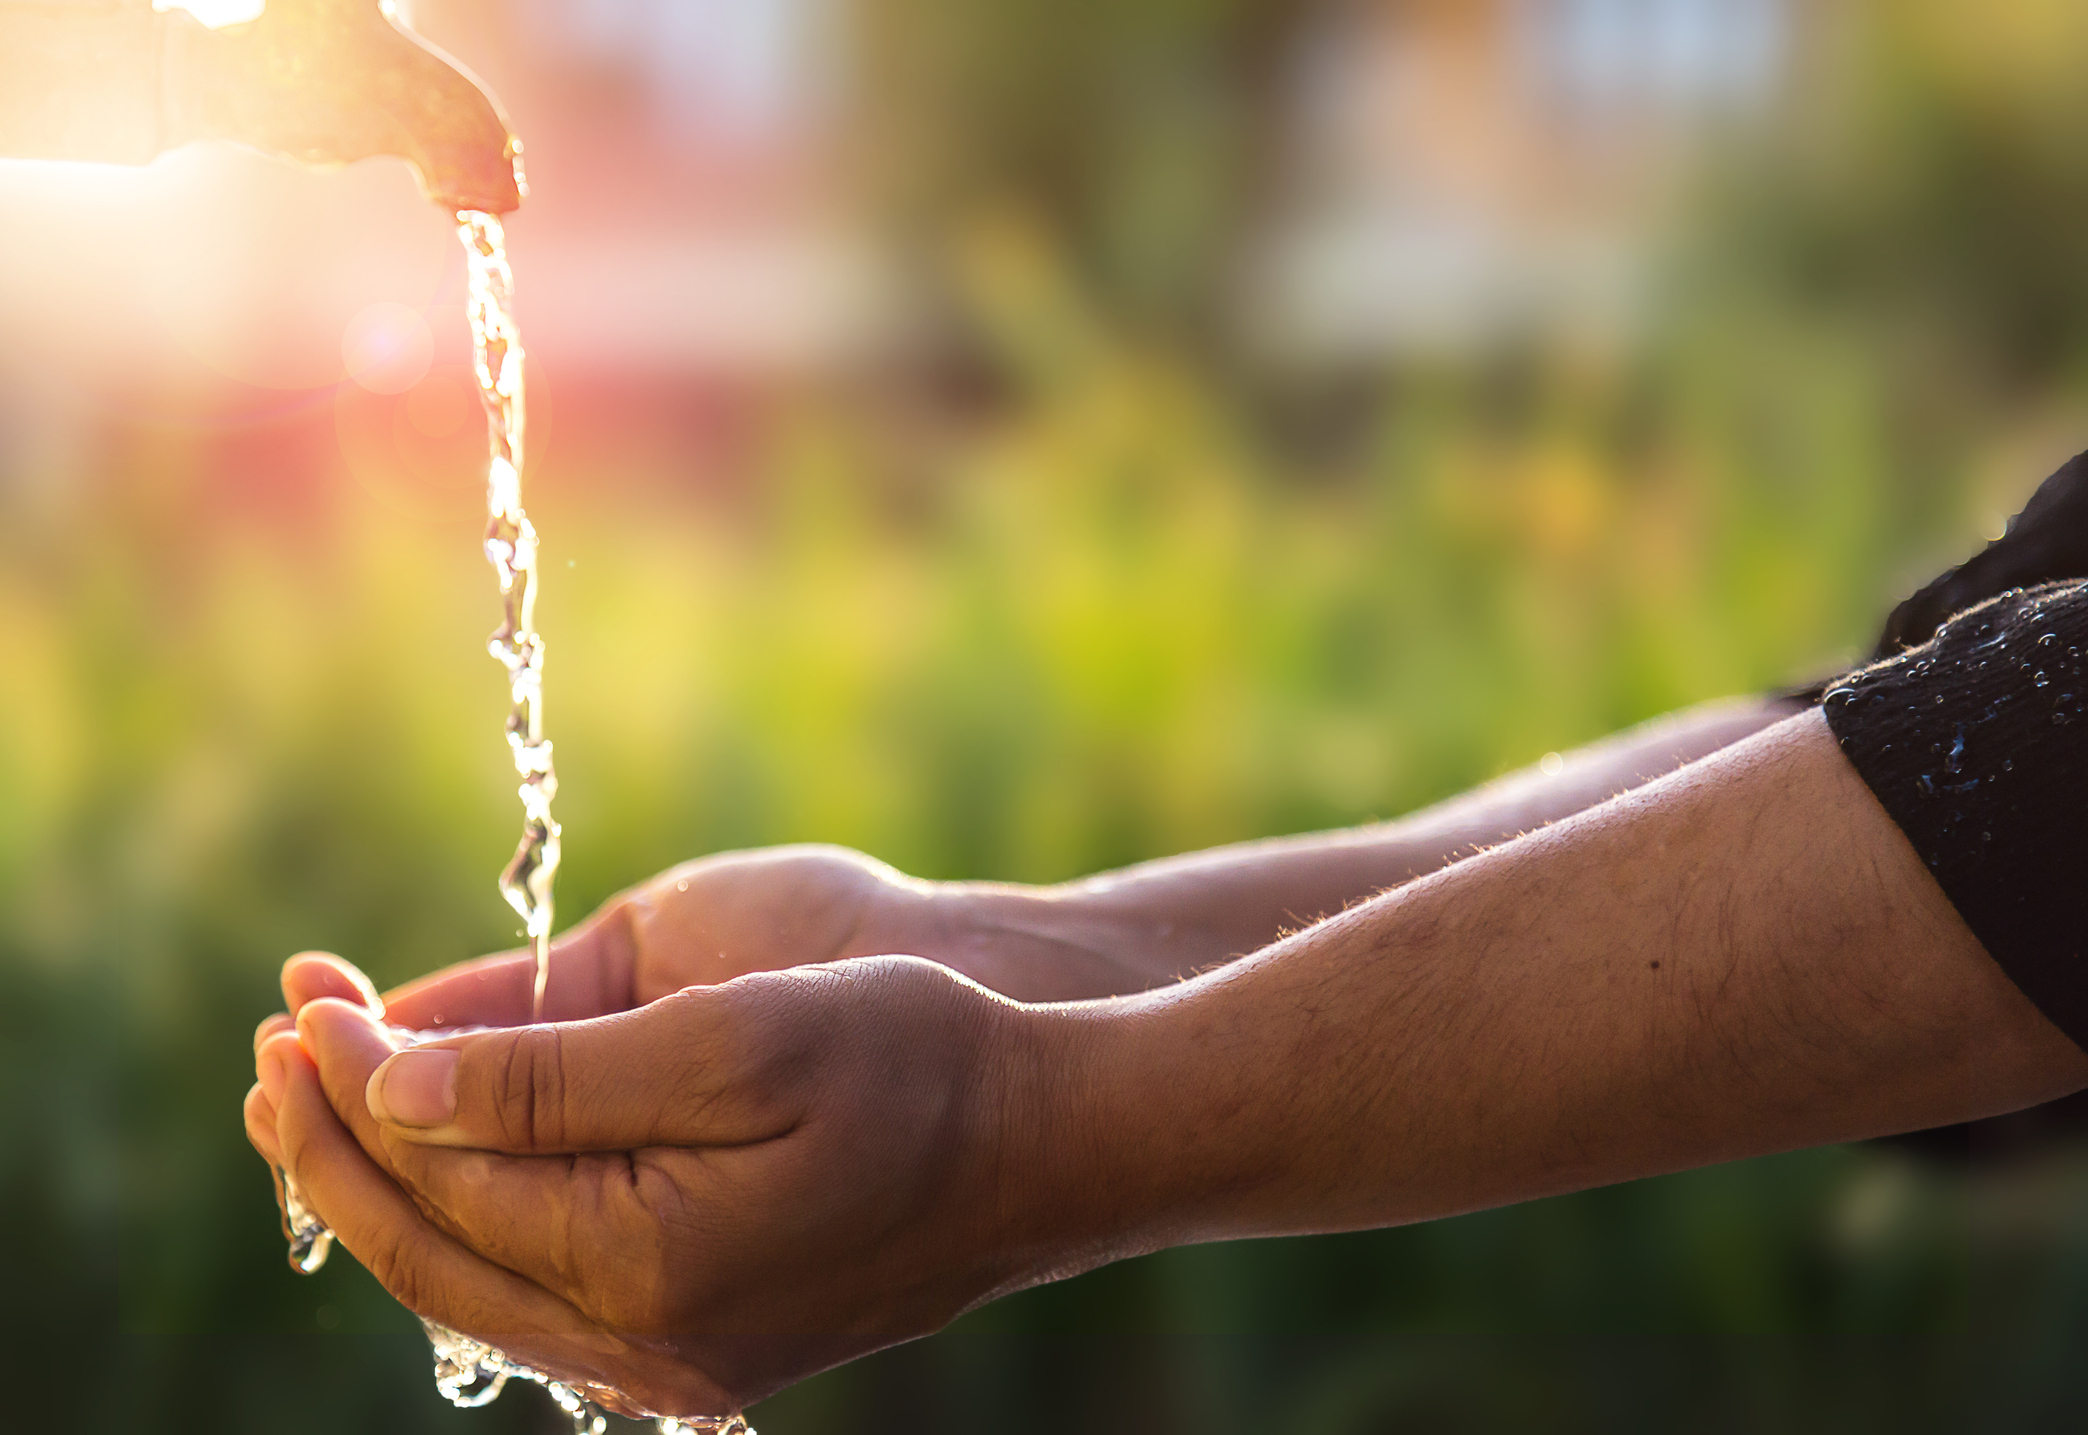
[{"x": 1976, "y": 744}]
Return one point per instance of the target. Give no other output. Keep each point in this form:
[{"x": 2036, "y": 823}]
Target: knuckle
[
  {"x": 611, "y": 1250},
  {"x": 297, "y": 1144},
  {"x": 640, "y": 1280},
  {"x": 547, "y": 1105},
  {"x": 527, "y": 1085},
  {"x": 390, "y": 1260}
]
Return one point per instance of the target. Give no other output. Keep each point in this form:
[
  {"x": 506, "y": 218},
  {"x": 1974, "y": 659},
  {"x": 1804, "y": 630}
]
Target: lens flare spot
[
  {"x": 439, "y": 406},
  {"x": 387, "y": 348}
]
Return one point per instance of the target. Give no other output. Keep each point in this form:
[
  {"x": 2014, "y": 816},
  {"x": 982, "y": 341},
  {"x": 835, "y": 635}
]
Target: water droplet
[
  {"x": 2008, "y": 764},
  {"x": 2047, "y": 640},
  {"x": 1927, "y": 785},
  {"x": 2040, "y": 679}
]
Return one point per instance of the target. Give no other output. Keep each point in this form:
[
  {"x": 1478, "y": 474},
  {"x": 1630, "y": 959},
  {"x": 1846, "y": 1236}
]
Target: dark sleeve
[
  {"x": 2046, "y": 543},
  {"x": 1976, "y": 744}
]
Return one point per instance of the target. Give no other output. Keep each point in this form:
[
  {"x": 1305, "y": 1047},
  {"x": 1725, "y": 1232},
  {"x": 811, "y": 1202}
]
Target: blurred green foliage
[
  {"x": 1147, "y": 132},
  {"x": 1117, "y": 619}
]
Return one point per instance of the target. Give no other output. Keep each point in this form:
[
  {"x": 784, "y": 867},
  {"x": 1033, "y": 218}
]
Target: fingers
[
  {"x": 273, "y": 1043},
  {"x": 309, "y": 976},
  {"x": 503, "y": 1222},
  {"x": 269, "y": 1026},
  {"x": 500, "y": 1221},
  {"x": 591, "y": 971},
  {"x": 579, "y": 1229},
  {"x": 428, "y": 1272},
  {"x": 666, "y": 1074},
  {"x": 260, "y": 1114},
  {"x": 346, "y": 1043}
]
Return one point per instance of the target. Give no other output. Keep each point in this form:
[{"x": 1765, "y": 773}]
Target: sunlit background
[{"x": 1018, "y": 437}]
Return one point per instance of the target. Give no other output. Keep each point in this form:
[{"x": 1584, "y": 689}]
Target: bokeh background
[{"x": 1018, "y": 437}]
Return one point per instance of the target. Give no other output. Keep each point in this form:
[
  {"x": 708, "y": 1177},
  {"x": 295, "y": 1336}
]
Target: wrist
[
  {"x": 1036, "y": 944},
  {"x": 1063, "y": 1200},
  {"x": 1131, "y": 1126}
]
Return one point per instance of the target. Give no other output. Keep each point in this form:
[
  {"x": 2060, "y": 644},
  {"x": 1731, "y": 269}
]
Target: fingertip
[
  {"x": 332, "y": 1027},
  {"x": 270, "y": 1071},
  {"x": 270, "y": 1025},
  {"x": 259, "y": 1114},
  {"x": 313, "y": 976},
  {"x": 271, "y": 1062}
]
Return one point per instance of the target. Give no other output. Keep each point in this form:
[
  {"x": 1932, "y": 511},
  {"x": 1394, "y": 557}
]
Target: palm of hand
[
  {"x": 699, "y": 924},
  {"x": 723, "y": 917}
]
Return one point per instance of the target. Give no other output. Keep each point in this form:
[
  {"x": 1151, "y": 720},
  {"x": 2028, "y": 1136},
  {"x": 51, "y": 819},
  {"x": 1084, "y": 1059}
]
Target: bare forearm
[
  {"x": 1163, "y": 920},
  {"x": 1743, "y": 958}
]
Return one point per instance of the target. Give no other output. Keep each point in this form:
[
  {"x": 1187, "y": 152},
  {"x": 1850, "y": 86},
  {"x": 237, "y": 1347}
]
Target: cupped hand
[
  {"x": 708, "y": 922},
  {"x": 700, "y": 923},
  {"x": 721, "y": 917},
  {"x": 696, "y": 1201}
]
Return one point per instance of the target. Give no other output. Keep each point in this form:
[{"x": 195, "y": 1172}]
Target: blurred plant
[
  {"x": 1113, "y": 620},
  {"x": 1142, "y": 133}
]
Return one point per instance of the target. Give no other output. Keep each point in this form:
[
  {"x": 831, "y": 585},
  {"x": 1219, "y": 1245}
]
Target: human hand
[
  {"x": 695, "y": 1202},
  {"x": 701, "y": 923},
  {"x": 712, "y": 920},
  {"x": 721, "y": 917}
]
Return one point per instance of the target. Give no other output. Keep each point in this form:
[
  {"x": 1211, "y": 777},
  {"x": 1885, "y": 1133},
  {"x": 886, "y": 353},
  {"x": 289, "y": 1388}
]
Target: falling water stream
[
  {"x": 467, "y": 1371},
  {"x": 511, "y": 547}
]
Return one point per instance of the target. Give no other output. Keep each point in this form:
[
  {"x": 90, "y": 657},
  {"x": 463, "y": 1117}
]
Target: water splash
[
  {"x": 472, "y": 1373},
  {"x": 511, "y": 547}
]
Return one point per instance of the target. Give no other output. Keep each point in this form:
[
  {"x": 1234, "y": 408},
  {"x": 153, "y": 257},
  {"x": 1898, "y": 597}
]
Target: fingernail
[
  {"x": 415, "y": 1088},
  {"x": 271, "y": 1074}
]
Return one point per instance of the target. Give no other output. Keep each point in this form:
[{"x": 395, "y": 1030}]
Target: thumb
[{"x": 670, "y": 1073}]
